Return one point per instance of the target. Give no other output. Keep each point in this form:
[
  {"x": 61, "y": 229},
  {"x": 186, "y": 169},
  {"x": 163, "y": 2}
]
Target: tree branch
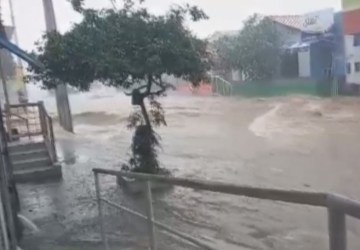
[
  {"x": 163, "y": 87},
  {"x": 138, "y": 89}
]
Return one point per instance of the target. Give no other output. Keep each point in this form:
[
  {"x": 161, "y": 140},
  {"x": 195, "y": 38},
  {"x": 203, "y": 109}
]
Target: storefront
[
  {"x": 351, "y": 29},
  {"x": 317, "y": 49}
]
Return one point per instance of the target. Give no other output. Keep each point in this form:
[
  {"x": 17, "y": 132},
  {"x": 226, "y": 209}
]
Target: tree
[
  {"x": 226, "y": 54},
  {"x": 129, "y": 48},
  {"x": 256, "y": 50}
]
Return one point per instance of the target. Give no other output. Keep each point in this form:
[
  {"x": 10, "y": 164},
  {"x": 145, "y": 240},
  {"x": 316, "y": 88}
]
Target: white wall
[
  {"x": 12, "y": 92},
  {"x": 289, "y": 36},
  {"x": 352, "y": 55},
  {"x": 15, "y": 82},
  {"x": 304, "y": 63},
  {"x": 235, "y": 75}
]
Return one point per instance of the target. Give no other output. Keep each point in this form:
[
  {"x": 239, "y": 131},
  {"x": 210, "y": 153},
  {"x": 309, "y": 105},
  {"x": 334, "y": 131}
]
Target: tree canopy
[
  {"x": 226, "y": 56},
  {"x": 129, "y": 48},
  {"x": 255, "y": 50},
  {"x": 122, "y": 48}
]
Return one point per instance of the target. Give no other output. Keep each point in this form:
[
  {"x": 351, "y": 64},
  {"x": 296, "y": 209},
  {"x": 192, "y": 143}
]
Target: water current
[{"x": 294, "y": 142}]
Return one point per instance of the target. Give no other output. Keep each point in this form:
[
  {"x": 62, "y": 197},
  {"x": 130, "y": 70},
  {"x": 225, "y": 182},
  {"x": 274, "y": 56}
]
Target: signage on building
[
  {"x": 350, "y": 4},
  {"x": 351, "y": 16},
  {"x": 318, "y": 22}
]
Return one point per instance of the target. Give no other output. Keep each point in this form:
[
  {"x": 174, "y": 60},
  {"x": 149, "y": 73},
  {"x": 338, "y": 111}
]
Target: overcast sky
[{"x": 224, "y": 14}]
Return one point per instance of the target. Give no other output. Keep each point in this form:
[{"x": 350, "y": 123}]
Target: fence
[
  {"x": 280, "y": 87},
  {"x": 338, "y": 207},
  {"x": 268, "y": 89}
]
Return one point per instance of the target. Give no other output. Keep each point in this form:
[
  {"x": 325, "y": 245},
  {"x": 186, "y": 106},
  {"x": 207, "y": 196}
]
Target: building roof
[
  {"x": 292, "y": 21},
  {"x": 219, "y": 34}
]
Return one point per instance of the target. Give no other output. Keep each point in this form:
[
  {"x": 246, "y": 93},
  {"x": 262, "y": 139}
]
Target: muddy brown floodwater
[{"x": 293, "y": 142}]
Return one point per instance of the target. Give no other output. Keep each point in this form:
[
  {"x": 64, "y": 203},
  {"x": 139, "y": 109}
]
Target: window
[
  {"x": 348, "y": 68},
  {"x": 357, "y": 67},
  {"x": 356, "y": 40}
]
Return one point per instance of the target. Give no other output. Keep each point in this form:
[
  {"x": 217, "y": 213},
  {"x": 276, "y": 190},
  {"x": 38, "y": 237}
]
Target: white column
[{"x": 62, "y": 99}]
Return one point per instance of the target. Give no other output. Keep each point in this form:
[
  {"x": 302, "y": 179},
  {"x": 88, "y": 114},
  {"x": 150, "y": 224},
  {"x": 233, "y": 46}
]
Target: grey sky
[{"x": 224, "y": 14}]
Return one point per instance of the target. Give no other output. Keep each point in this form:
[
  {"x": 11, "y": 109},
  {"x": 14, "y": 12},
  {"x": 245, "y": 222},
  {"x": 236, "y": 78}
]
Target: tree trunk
[
  {"x": 143, "y": 106},
  {"x": 145, "y": 114}
]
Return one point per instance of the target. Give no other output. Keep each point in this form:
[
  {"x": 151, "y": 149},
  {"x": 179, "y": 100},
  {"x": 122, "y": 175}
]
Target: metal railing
[
  {"x": 221, "y": 86},
  {"x": 30, "y": 120},
  {"x": 23, "y": 120},
  {"x": 48, "y": 132},
  {"x": 338, "y": 207}
]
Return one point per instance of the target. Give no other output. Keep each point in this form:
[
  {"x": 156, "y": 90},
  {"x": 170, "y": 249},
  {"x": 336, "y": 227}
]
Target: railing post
[
  {"x": 52, "y": 140},
  {"x": 216, "y": 83},
  {"x": 150, "y": 216},
  {"x": 42, "y": 118},
  {"x": 99, "y": 203},
  {"x": 337, "y": 229}
]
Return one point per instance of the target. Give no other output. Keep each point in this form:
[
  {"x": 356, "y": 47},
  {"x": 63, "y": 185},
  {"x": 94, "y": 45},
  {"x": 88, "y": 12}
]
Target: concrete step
[
  {"x": 16, "y": 148},
  {"x": 29, "y": 164},
  {"x": 28, "y": 155},
  {"x": 44, "y": 173}
]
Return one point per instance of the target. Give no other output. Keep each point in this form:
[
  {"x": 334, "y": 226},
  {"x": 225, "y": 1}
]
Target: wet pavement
[{"x": 295, "y": 142}]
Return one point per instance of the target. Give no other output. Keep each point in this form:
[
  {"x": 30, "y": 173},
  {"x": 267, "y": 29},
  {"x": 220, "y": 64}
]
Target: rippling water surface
[{"x": 294, "y": 142}]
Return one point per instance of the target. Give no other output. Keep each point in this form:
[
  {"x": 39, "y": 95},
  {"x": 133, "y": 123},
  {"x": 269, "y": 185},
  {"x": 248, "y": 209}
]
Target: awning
[
  {"x": 308, "y": 41},
  {"x": 299, "y": 45},
  {"x": 6, "y": 44}
]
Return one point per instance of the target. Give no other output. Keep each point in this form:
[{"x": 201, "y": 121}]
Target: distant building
[
  {"x": 316, "y": 41},
  {"x": 295, "y": 63},
  {"x": 9, "y": 68},
  {"x": 12, "y": 71},
  {"x": 289, "y": 26},
  {"x": 219, "y": 34},
  {"x": 351, "y": 29},
  {"x": 312, "y": 43}
]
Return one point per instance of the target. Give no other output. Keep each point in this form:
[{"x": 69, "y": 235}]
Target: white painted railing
[
  {"x": 221, "y": 86},
  {"x": 338, "y": 207}
]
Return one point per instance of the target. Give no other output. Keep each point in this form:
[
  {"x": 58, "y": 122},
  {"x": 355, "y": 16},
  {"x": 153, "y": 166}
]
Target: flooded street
[{"x": 294, "y": 142}]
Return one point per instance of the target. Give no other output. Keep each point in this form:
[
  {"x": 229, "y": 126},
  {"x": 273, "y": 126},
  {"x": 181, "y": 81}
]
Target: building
[
  {"x": 289, "y": 26},
  {"x": 293, "y": 64},
  {"x": 13, "y": 71},
  {"x": 351, "y": 30},
  {"x": 314, "y": 41}
]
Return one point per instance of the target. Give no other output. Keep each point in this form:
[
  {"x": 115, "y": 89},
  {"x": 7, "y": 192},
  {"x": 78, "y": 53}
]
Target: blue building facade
[
  {"x": 326, "y": 51},
  {"x": 321, "y": 53}
]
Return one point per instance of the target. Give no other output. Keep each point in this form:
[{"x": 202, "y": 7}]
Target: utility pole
[{"x": 62, "y": 99}]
